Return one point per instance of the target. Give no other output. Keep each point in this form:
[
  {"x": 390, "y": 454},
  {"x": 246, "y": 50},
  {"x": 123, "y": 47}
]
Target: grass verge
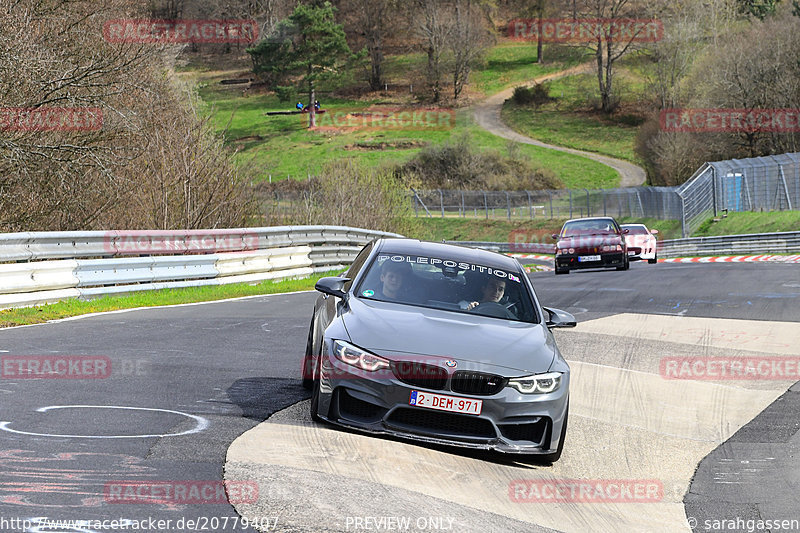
[
  {"x": 69, "y": 308},
  {"x": 744, "y": 223}
]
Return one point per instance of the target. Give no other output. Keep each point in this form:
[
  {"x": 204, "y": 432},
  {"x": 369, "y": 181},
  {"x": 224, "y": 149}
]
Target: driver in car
[{"x": 491, "y": 292}]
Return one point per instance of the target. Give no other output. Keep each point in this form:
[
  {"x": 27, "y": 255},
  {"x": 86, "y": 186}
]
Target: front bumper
[
  {"x": 510, "y": 422},
  {"x": 607, "y": 259}
]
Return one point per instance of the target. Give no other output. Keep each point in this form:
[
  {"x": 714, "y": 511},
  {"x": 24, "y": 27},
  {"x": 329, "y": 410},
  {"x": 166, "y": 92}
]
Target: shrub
[
  {"x": 536, "y": 95},
  {"x": 462, "y": 165}
]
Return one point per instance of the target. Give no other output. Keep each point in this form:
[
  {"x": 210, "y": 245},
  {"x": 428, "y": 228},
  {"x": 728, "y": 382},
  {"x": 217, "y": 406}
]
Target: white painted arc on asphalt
[
  {"x": 201, "y": 423},
  {"x": 624, "y": 424}
]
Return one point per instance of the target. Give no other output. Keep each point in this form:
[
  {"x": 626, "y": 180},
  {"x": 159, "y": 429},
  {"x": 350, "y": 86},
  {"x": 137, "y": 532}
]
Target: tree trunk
[
  {"x": 376, "y": 61},
  {"x": 433, "y": 74},
  {"x": 539, "y": 58}
]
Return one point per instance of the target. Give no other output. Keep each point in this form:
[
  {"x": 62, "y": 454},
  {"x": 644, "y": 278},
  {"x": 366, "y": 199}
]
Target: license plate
[
  {"x": 441, "y": 402},
  {"x": 586, "y": 258}
]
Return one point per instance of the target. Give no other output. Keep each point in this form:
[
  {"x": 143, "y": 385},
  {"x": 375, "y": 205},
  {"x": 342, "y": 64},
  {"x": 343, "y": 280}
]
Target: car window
[
  {"x": 587, "y": 227},
  {"x": 636, "y": 230},
  {"x": 447, "y": 284},
  {"x": 357, "y": 264}
]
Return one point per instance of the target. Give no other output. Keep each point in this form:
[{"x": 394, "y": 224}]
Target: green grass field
[
  {"x": 282, "y": 146},
  {"x": 570, "y": 120}
]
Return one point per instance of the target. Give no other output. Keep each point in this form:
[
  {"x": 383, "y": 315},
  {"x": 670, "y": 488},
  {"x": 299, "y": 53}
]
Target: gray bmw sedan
[{"x": 442, "y": 344}]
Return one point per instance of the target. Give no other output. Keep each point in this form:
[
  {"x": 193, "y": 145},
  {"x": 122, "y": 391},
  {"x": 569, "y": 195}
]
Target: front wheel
[
  {"x": 555, "y": 456},
  {"x": 308, "y": 360},
  {"x": 653, "y": 261},
  {"x": 314, "y": 409},
  {"x": 625, "y": 266}
]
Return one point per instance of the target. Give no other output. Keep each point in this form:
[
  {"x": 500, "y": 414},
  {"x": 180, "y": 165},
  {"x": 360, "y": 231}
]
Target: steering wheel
[{"x": 494, "y": 309}]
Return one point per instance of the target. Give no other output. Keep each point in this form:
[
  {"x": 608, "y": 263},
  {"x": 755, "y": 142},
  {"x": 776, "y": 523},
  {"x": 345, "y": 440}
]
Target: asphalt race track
[{"x": 199, "y": 393}]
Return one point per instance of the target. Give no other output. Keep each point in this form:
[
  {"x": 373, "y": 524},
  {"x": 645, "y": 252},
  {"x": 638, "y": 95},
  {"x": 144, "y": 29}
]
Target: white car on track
[{"x": 641, "y": 243}]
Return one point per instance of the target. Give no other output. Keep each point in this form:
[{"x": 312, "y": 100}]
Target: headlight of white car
[
  {"x": 537, "y": 384},
  {"x": 355, "y": 356}
]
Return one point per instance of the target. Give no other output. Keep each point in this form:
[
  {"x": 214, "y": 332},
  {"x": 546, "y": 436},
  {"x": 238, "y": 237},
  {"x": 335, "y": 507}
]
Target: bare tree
[
  {"x": 673, "y": 56},
  {"x": 433, "y": 25},
  {"x": 605, "y": 45},
  {"x": 54, "y": 56},
  {"x": 373, "y": 21},
  {"x": 470, "y": 37}
]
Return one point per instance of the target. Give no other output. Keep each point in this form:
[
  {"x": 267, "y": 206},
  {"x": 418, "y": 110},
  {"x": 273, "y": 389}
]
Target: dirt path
[{"x": 487, "y": 115}]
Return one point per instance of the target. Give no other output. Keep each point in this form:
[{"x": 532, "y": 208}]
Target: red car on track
[{"x": 597, "y": 242}]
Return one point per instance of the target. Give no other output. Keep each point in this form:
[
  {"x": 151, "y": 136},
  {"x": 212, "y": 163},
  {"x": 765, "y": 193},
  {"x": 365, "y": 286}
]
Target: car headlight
[
  {"x": 537, "y": 384},
  {"x": 354, "y": 356}
]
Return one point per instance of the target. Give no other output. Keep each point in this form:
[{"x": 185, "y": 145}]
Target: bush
[
  {"x": 462, "y": 165},
  {"x": 536, "y": 95},
  {"x": 344, "y": 194}
]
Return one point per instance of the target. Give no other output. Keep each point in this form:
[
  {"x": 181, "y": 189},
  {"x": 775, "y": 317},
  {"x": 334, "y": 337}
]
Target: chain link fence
[
  {"x": 770, "y": 183},
  {"x": 654, "y": 202}
]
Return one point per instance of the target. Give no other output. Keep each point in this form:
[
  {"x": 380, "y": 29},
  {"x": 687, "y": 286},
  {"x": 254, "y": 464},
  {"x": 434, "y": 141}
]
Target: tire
[
  {"x": 654, "y": 260},
  {"x": 315, "y": 398},
  {"x": 626, "y": 265},
  {"x": 308, "y": 359},
  {"x": 551, "y": 458}
]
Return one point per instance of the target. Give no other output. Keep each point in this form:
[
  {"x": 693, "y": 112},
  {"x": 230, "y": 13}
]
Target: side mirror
[
  {"x": 554, "y": 236},
  {"x": 559, "y": 319},
  {"x": 626, "y": 231},
  {"x": 654, "y": 231},
  {"x": 333, "y": 286}
]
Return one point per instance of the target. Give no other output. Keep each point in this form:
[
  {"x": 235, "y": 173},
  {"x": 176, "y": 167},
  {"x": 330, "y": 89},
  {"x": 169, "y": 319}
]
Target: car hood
[{"x": 389, "y": 328}]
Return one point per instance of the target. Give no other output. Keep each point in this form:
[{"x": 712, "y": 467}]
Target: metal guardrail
[
  {"x": 758, "y": 243},
  {"x": 52, "y": 266}
]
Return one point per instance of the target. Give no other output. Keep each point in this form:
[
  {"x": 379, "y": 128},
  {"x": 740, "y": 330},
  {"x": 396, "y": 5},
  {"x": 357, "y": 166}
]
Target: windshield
[
  {"x": 588, "y": 227},
  {"x": 449, "y": 285},
  {"x": 636, "y": 230}
]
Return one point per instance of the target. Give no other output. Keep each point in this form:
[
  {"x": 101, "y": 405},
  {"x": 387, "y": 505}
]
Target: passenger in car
[{"x": 394, "y": 281}]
